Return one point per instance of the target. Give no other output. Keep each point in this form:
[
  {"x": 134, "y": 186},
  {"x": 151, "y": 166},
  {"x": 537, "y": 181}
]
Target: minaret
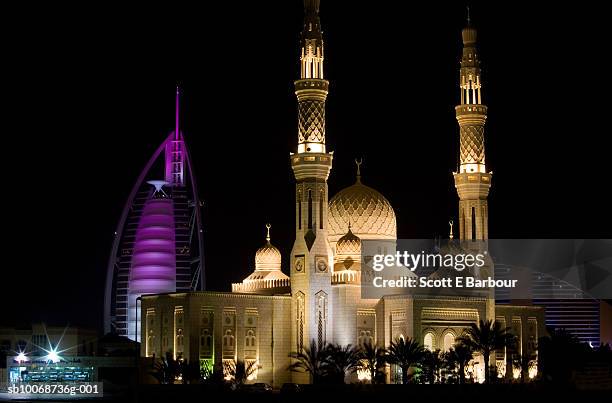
[
  {"x": 472, "y": 181},
  {"x": 311, "y": 256}
]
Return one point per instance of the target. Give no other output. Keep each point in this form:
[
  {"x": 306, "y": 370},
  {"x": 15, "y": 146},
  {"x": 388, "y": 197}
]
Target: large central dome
[{"x": 369, "y": 213}]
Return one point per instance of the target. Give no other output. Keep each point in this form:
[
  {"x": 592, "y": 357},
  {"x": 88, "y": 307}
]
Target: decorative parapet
[
  {"x": 254, "y": 285},
  {"x": 346, "y": 277}
]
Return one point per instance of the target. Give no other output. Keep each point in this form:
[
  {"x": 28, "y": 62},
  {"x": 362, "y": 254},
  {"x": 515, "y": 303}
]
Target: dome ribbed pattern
[
  {"x": 349, "y": 244},
  {"x": 268, "y": 257},
  {"x": 368, "y": 212}
]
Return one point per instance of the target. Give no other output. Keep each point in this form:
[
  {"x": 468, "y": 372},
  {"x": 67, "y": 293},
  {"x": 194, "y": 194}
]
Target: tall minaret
[
  {"x": 311, "y": 256},
  {"x": 472, "y": 181}
]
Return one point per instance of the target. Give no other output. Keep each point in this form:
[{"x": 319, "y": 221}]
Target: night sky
[{"x": 88, "y": 95}]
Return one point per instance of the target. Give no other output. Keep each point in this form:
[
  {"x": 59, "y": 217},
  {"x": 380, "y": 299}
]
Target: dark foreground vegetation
[{"x": 374, "y": 393}]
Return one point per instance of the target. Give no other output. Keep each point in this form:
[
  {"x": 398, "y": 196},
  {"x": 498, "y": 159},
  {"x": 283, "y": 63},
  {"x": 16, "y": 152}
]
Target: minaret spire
[
  {"x": 311, "y": 6},
  {"x": 472, "y": 181},
  {"x": 311, "y": 89}
]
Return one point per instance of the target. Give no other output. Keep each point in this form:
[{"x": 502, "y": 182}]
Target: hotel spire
[
  {"x": 176, "y": 114},
  {"x": 175, "y": 149}
]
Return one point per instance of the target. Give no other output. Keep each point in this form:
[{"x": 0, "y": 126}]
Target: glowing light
[
  {"x": 53, "y": 353},
  {"x": 22, "y": 358},
  {"x": 533, "y": 369},
  {"x": 472, "y": 167},
  {"x": 364, "y": 375},
  {"x": 477, "y": 368},
  {"x": 153, "y": 265},
  {"x": 311, "y": 148},
  {"x": 501, "y": 369},
  {"x": 53, "y": 357}
]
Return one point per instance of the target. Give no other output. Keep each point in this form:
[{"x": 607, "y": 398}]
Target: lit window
[{"x": 428, "y": 342}]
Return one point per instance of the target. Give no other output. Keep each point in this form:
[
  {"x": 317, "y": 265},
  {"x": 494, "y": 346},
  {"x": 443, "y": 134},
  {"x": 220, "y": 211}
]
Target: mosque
[{"x": 271, "y": 314}]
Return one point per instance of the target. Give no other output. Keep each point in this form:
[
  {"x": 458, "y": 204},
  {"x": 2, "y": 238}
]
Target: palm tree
[
  {"x": 312, "y": 360},
  {"x": 239, "y": 371},
  {"x": 404, "y": 354},
  {"x": 432, "y": 364},
  {"x": 486, "y": 337},
  {"x": 189, "y": 372},
  {"x": 560, "y": 354},
  {"x": 459, "y": 357},
  {"x": 340, "y": 361},
  {"x": 166, "y": 369},
  {"x": 373, "y": 359}
]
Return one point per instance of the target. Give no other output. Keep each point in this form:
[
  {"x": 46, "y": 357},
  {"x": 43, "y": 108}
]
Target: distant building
[
  {"x": 38, "y": 339},
  {"x": 158, "y": 241},
  {"x": 25, "y": 352},
  {"x": 566, "y": 307},
  {"x": 605, "y": 315},
  {"x": 63, "y": 354}
]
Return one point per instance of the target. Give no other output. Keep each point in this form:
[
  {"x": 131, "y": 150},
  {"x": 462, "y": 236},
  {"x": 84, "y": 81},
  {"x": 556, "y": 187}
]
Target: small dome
[
  {"x": 349, "y": 244},
  {"x": 268, "y": 257},
  {"x": 370, "y": 214}
]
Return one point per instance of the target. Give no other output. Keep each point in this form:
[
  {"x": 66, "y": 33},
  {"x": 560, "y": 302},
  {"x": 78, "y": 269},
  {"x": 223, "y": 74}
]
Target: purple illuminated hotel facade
[{"x": 158, "y": 244}]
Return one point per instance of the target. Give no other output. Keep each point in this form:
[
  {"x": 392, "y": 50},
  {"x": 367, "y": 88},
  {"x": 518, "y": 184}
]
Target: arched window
[
  {"x": 473, "y": 224},
  {"x": 428, "y": 341},
  {"x": 179, "y": 337},
  {"x": 300, "y": 320},
  {"x": 299, "y": 209},
  {"x": 150, "y": 344},
  {"x": 205, "y": 339},
  {"x": 449, "y": 341},
  {"x": 228, "y": 338},
  {"x": 321, "y": 301},
  {"x": 309, "y": 209},
  {"x": 321, "y": 210},
  {"x": 365, "y": 338},
  {"x": 250, "y": 338}
]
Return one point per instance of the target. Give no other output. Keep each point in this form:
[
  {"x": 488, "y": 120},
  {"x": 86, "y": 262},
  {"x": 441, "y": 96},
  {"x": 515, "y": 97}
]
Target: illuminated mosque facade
[{"x": 271, "y": 314}]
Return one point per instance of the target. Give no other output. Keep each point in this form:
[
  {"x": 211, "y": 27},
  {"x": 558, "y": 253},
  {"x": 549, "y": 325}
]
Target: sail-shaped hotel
[{"x": 158, "y": 242}]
